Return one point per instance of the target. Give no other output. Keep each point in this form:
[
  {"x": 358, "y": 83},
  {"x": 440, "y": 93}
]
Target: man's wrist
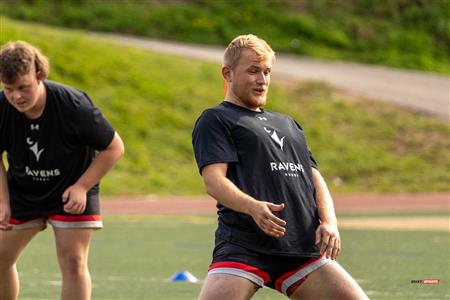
[
  {"x": 332, "y": 222},
  {"x": 250, "y": 204}
]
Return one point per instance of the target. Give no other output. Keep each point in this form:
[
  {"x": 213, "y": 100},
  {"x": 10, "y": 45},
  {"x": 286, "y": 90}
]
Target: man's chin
[
  {"x": 260, "y": 103},
  {"x": 253, "y": 103},
  {"x": 21, "y": 108}
]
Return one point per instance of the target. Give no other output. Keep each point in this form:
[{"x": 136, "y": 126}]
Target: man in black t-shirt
[
  {"x": 277, "y": 226},
  {"x": 58, "y": 147}
]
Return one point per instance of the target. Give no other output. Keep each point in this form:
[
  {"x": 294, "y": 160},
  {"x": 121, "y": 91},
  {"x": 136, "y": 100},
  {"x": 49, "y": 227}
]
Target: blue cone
[{"x": 183, "y": 277}]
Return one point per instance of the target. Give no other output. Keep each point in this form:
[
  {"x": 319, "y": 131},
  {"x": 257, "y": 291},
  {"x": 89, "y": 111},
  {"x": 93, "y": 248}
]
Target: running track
[{"x": 343, "y": 203}]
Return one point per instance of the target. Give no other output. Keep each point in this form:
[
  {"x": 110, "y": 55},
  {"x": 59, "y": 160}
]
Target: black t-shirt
[
  {"x": 48, "y": 154},
  {"x": 268, "y": 159}
]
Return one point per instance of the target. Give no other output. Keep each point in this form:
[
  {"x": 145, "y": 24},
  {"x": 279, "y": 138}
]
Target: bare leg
[
  {"x": 12, "y": 244},
  {"x": 330, "y": 281},
  {"x": 226, "y": 287},
  {"x": 72, "y": 247}
]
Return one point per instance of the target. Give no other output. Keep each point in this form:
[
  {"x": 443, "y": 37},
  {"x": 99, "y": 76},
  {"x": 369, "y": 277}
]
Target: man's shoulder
[
  {"x": 219, "y": 108},
  {"x": 61, "y": 87},
  {"x": 67, "y": 94},
  {"x": 3, "y": 100},
  {"x": 218, "y": 111},
  {"x": 4, "y": 103},
  {"x": 216, "y": 116}
]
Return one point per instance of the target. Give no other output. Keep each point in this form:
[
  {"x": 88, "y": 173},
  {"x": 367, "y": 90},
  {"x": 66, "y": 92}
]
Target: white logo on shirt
[
  {"x": 275, "y": 137},
  {"x": 42, "y": 175},
  {"x": 35, "y": 148},
  {"x": 262, "y": 118},
  {"x": 289, "y": 169},
  {"x": 34, "y": 126}
]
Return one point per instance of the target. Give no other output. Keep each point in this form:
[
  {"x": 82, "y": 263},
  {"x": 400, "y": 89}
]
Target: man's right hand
[{"x": 261, "y": 212}]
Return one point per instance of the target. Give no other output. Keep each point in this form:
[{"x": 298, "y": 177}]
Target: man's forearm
[
  {"x": 227, "y": 194},
  {"x": 104, "y": 161},
  {"x": 5, "y": 208},
  {"x": 4, "y": 191},
  {"x": 324, "y": 201}
]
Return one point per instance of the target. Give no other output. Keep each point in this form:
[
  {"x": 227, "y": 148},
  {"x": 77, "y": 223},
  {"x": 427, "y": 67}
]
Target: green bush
[{"x": 399, "y": 33}]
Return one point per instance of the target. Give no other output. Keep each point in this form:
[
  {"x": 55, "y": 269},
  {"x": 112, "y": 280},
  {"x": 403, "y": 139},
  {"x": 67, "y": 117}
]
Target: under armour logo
[
  {"x": 275, "y": 137},
  {"x": 35, "y": 148},
  {"x": 34, "y": 126},
  {"x": 262, "y": 118}
]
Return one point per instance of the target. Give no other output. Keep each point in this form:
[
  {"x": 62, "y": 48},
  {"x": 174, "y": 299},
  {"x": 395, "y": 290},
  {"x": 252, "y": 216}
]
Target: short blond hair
[
  {"x": 247, "y": 42},
  {"x": 17, "y": 58}
]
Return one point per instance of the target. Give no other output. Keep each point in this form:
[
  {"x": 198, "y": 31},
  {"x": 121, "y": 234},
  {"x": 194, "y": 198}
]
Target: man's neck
[
  {"x": 239, "y": 103},
  {"x": 38, "y": 109}
]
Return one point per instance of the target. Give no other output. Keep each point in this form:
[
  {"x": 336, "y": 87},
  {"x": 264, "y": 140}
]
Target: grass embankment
[
  {"x": 406, "y": 34},
  {"x": 153, "y": 101}
]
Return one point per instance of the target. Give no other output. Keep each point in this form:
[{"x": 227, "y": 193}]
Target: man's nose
[
  {"x": 16, "y": 95},
  {"x": 262, "y": 78}
]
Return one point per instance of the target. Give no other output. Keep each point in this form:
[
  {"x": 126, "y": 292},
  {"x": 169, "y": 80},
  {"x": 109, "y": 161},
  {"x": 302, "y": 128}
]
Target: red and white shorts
[
  {"x": 282, "y": 273},
  {"x": 24, "y": 215},
  {"x": 60, "y": 221}
]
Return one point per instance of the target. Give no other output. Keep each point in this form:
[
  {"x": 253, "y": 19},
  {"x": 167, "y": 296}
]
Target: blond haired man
[
  {"x": 277, "y": 225},
  {"x": 58, "y": 146}
]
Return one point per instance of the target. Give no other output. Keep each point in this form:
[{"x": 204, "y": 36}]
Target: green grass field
[{"x": 133, "y": 257}]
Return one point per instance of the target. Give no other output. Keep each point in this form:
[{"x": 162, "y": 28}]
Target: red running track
[{"x": 343, "y": 203}]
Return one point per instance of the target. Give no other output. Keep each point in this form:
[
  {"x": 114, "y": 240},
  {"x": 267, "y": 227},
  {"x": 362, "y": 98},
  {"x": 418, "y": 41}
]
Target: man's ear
[
  {"x": 227, "y": 73},
  {"x": 39, "y": 75}
]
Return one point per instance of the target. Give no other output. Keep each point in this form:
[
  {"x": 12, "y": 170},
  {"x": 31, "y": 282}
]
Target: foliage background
[
  {"x": 401, "y": 33},
  {"x": 153, "y": 101}
]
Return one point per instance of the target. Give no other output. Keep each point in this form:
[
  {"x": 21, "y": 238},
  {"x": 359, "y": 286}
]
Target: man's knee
[
  {"x": 73, "y": 263},
  {"x": 7, "y": 258}
]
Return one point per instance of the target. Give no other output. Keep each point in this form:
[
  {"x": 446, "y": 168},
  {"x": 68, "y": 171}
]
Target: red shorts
[{"x": 282, "y": 273}]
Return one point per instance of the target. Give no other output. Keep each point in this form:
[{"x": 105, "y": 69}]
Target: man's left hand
[
  {"x": 74, "y": 198},
  {"x": 327, "y": 236}
]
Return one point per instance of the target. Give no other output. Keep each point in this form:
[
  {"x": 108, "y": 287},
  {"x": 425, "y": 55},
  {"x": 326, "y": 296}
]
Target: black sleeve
[
  {"x": 3, "y": 120},
  {"x": 312, "y": 160},
  {"x": 91, "y": 126},
  {"x": 212, "y": 140}
]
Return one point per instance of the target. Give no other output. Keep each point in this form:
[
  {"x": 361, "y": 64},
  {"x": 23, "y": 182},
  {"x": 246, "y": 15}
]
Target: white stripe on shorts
[
  {"x": 238, "y": 272},
  {"x": 300, "y": 274},
  {"x": 81, "y": 224}
]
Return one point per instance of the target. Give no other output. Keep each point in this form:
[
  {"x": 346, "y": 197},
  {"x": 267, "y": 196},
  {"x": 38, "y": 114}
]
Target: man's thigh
[
  {"x": 225, "y": 287},
  {"x": 330, "y": 281},
  {"x": 12, "y": 242},
  {"x": 72, "y": 243}
]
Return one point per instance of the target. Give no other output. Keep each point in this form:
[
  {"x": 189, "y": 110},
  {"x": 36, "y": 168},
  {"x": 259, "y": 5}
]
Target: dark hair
[{"x": 18, "y": 58}]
